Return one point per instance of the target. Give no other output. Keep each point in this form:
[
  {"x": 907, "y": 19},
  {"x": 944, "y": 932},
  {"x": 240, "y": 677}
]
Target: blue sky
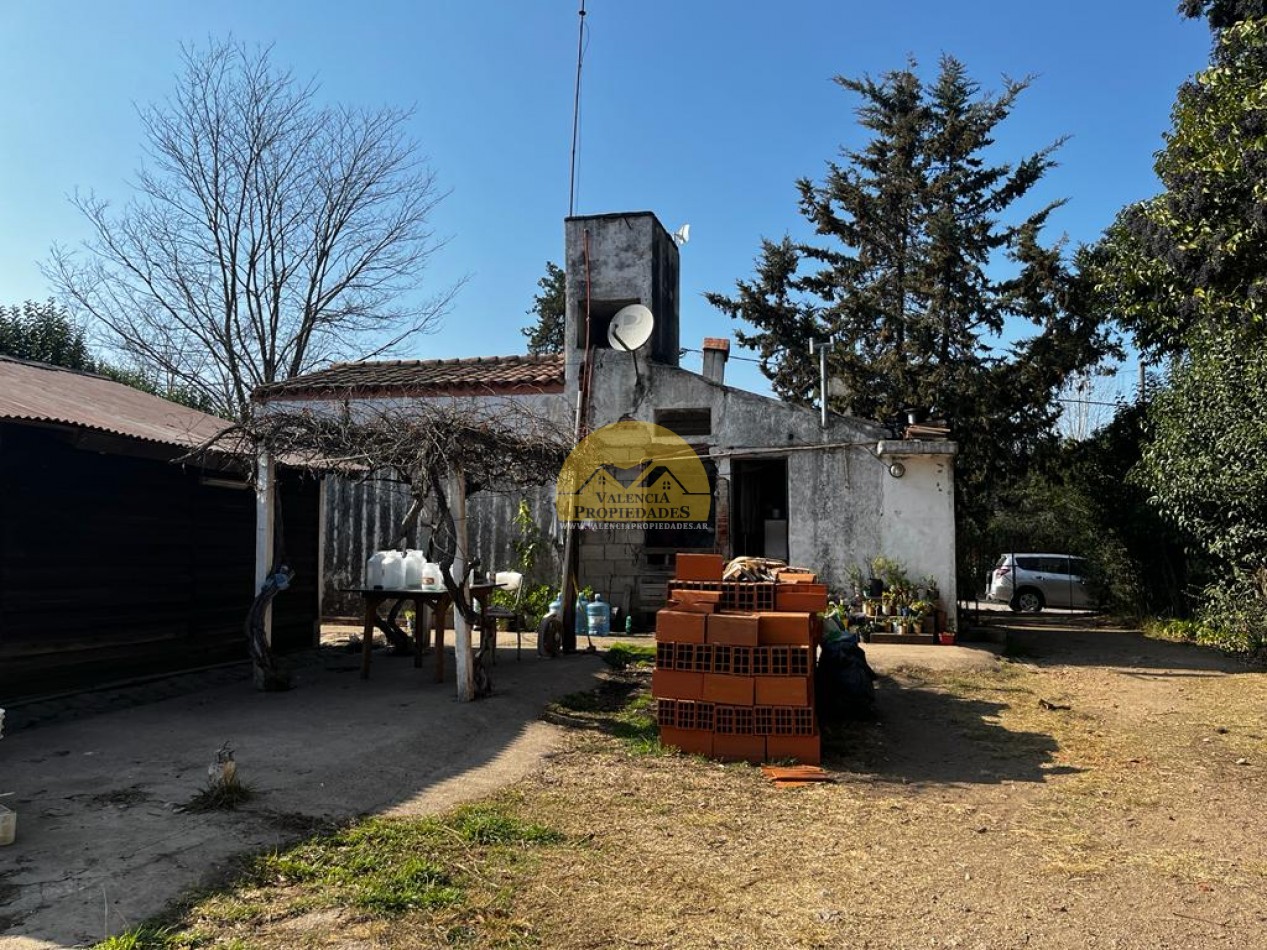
[{"x": 702, "y": 111}]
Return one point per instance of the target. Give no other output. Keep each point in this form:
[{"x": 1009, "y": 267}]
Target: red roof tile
[
  {"x": 37, "y": 392},
  {"x": 507, "y": 375}
]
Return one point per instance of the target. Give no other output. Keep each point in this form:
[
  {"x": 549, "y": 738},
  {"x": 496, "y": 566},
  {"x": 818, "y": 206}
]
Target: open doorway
[{"x": 758, "y": 513}]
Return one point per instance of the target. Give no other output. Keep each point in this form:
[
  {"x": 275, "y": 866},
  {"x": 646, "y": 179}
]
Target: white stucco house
[{"x": 784, "y": 484}]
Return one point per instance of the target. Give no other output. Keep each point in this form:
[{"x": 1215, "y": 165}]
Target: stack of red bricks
[{"x": 734, "y": 673}]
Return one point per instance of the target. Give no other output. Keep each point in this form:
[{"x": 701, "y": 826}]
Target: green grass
[
  {"x": 622, "y": 707},
  {"x": 382, "y": 867},
  {"x": 622, "y": 656}
]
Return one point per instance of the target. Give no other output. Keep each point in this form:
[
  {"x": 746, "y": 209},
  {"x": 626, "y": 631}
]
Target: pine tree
[
  {"x": 549, "y": 307},
  {"x": 905, "y": 277}
]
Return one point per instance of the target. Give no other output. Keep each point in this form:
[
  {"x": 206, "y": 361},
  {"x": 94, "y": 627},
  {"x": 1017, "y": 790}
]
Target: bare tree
[{"x": 268, "y": 234}]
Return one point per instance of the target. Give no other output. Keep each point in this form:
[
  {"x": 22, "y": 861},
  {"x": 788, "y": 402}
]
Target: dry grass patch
[{"x": 970, "y": 815}]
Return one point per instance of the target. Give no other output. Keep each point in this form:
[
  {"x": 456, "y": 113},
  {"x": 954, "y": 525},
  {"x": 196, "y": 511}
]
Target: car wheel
[{"x": 1027, "y": 601}]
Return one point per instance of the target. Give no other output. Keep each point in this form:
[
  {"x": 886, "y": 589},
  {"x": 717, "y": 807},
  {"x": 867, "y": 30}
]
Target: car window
[
  {"x": 1079, "y": 567},
  {"x": 1031, "y": 563}
]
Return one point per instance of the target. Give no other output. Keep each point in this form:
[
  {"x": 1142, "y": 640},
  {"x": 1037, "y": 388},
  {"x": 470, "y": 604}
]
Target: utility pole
[{"x": 822, "y": 375}]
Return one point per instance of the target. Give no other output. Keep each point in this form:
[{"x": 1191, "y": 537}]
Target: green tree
[
  {"x": 45, "y": 333},
  {"x": 915, "y": 273},
  {"x": 549, "y": 309},
  {"x": 1186, "y": 271},
  {"x": 1193, "y": 259},
  {"x": 269, "y": 233},
  {"x": 1223, "y": 13}
]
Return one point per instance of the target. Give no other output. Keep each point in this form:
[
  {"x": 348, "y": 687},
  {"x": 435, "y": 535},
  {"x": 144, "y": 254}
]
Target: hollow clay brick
[
  {"x": 739, "y": 748},
  {"x": 691, "y": 741},
  {"x": 679, "y": 626},
  {"x": 670, "y": 684},
  {"x": 804, "y": 749},
  {"x": 727, "y": 689},
  {"x": 699, "y": 567},
  {"x": 785, "y": 628}
]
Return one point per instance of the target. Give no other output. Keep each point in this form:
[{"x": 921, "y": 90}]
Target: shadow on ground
[
  {"x": 103, "y": 843},
  {"x": 923, "y": 735},
  {"x": 1073, "y": 639}
]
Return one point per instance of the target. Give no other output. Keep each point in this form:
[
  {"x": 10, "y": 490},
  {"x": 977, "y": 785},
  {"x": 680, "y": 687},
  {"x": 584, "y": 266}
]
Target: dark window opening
[
  {"x": 686, "y": 422},
  {"x": 601, "y": 313},
  {"x": 759, "y": 516},
  {"x": 703, "y": 538}
]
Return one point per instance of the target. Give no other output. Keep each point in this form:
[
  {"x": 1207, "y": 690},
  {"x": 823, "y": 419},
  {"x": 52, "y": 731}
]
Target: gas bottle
[
  {"x": 599, "y": 617},
  {"x": 556, "y": 607},
  {"x": 580, "y": 625}
]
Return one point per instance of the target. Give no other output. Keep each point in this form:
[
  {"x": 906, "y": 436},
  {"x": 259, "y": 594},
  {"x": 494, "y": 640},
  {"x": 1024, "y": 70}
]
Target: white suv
[{"x": 1030, "y": 582}]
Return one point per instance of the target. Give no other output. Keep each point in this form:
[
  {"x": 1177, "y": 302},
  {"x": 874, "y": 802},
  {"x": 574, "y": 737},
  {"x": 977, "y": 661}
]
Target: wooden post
[
  {"x": 464, "y": 665},
  {"x": 265, "y": 512},
  {"x": 322, "y": 501}
]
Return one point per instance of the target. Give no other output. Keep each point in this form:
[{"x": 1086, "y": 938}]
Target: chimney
[{"x": 716, "y": 352}]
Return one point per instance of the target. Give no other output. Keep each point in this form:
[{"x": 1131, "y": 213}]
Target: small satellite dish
[
  {"x": 630, "y": 328},
  {"x": 682, "y": 235}
]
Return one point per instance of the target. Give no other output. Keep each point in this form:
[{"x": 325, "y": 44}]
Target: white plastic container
[
  {"x": 414, "y": 561},
  {"x": 8, "y": 825},
  {"x": 393, "y": 570},
  {"x": 431, "y": 576},
  {"x": 374, "y": 569}
]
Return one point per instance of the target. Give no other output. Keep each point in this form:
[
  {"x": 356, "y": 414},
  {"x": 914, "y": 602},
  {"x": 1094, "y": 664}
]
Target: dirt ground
[
  {"x": 102, "y": 843},
  {"x": 1089, "y": 788}
]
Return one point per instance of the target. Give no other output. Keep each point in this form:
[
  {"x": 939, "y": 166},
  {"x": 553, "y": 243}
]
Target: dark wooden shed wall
[{"x": 115, "y": 565}]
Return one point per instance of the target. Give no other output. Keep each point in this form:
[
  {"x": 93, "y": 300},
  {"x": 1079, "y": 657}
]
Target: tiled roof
[
  {"x": 502, "y": 375},
  {"x": 37, "y": 392}
]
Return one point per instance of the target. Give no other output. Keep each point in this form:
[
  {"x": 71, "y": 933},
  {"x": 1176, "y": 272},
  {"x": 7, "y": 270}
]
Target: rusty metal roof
[
  {"x": 39, "y": 393},
  {"x": 501, "y": 375}
]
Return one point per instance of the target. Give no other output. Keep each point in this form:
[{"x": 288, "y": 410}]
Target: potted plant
[
  {"x": 855, "y": 579},
  {"x": 921, "y": 611}
]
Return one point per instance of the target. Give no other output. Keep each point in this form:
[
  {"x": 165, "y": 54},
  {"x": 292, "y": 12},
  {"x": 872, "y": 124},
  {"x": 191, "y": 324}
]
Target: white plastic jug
[
  {"x": 393, "y": 570},
  {"x": 374, "y": 569},
  {"x": 414, "y": 560}
]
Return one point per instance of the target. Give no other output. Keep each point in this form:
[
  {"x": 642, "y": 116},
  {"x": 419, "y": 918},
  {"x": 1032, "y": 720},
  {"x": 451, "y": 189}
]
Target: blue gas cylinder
[
  {"x": 599, "y": 616},
  {"x": 579, "y": 625},
  {"x": 556, "y": 607}
]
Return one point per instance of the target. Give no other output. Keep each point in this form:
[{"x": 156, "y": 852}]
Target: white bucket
[{"x": 8, "y": 825}]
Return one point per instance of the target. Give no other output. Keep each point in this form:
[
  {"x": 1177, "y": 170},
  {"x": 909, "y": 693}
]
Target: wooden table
[{"x": 435, "y": 598}]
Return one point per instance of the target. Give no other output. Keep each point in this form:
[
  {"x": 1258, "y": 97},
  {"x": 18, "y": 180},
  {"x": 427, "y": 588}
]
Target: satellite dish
[
  {"x": 682, "y": 235},
  {"x": 630, "y": 328}
]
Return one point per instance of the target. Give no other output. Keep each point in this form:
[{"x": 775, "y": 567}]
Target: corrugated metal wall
[
  {"x": 116, "y": 565},
  {"x": 362, "y": 517}
]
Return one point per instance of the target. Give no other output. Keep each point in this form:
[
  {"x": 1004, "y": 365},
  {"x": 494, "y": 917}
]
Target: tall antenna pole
[{"x": 576, "y": 108}]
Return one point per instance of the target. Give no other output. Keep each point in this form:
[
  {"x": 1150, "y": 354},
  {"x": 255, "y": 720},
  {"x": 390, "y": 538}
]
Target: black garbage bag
[{"x": 844, "y": 683}]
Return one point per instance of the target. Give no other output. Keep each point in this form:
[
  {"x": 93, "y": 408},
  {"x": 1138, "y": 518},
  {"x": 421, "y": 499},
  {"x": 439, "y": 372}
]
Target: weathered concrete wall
[
  {"x": 917, "y": 523},
  {"x": 620, "y": 259},
  {"x": 843, "y": 505}
]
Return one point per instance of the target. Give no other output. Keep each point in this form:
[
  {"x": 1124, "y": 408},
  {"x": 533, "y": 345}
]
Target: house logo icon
[{"x": 634, "y": 474}]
